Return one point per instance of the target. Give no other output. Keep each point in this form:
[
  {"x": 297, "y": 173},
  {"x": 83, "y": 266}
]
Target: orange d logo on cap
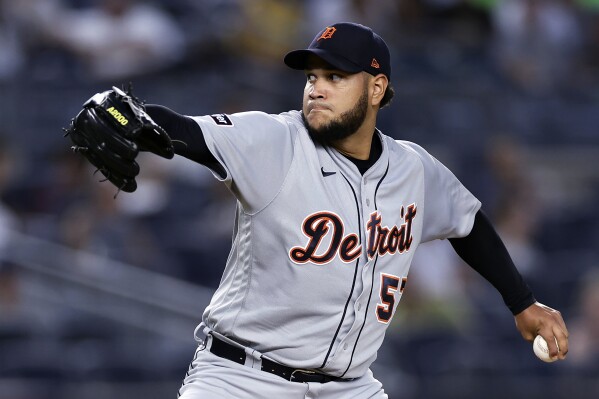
[
  {"x": 354, "y": 48},
  {"x": 328, "y": 32}
]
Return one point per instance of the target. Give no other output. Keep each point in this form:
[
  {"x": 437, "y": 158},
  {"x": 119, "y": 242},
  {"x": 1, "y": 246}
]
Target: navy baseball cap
[{"x": 347, "y": 46}]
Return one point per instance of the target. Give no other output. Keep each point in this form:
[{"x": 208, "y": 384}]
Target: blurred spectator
[
  {"x": 9, "y": 223},
  {"x": 64, "y": 181},
  {"x": 269, "y": 28},
  {"x": 8, "y": 218},
  {"x": 207, "y": 237},
  {"x": 322, "y": 13},
  {"x": 98, "y": 225},
  {"x": 436, "y": 296},
  {"x": 410, "y": 14},
  {"x": 33, "y": 20},
  {"x": 538, "y": 42},
  {"x": 11, "y": 52},
  {"x": 380, "y": 16},
  {"x": 261, "y": 33},
  {"x": 117, "y": 39},
  {"x": 462, "y": 32},
  {"x": 588, "y": 79},
  {"x": 208, "y": 26},
  {"x": 517, "y": 209},
  {"x": 584, "y": 329}
]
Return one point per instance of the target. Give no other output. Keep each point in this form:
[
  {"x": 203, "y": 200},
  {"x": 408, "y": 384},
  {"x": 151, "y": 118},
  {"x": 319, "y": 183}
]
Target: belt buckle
[{"x": 304, "y": 372}]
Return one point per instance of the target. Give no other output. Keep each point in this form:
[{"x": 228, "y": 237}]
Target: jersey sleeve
[
  {"x": 255, "y": 151},
  {"x": 449, "y": 208}
]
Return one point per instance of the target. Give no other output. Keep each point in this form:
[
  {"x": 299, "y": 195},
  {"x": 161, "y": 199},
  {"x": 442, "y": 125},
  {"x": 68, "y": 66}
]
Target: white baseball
[{"x": 539, "y": 346}]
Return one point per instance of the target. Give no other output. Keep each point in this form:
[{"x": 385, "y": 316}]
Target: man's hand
[{"x": 542, "y": 320}]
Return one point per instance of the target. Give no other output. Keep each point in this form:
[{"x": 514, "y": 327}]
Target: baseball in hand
[{"x": 539, "y": 346}]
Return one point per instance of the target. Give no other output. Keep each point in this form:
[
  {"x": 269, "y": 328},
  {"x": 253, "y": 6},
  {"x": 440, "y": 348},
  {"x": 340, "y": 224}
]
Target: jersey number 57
[{"x": 390, "y": 284}]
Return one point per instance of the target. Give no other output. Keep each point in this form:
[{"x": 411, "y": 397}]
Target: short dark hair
[{"x": 388, "y": 96}]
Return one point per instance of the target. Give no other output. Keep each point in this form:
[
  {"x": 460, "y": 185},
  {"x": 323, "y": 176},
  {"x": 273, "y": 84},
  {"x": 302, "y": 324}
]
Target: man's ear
[{"x": 379, "y": 84}]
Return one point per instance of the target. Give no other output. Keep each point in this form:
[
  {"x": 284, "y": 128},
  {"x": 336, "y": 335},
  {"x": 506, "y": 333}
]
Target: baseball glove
[{"x": 111, "y": 129}]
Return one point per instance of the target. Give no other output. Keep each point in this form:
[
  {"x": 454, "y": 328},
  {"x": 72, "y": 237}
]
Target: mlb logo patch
[{"x": 221, "y": 120}]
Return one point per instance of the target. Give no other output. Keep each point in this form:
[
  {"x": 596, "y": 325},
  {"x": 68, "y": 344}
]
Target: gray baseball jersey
[{"x": 320, "y": 252}]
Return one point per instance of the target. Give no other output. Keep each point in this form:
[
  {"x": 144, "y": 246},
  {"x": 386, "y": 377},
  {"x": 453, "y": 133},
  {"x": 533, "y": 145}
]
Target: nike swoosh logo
[{"x": 325, "y": 174}]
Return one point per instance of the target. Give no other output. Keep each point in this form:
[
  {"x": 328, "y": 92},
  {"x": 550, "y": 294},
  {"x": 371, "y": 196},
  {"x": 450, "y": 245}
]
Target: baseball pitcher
[{"x": 330, "y": 211}]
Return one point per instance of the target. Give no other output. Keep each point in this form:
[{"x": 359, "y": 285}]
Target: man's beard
[{"x": 343, "y": 126}]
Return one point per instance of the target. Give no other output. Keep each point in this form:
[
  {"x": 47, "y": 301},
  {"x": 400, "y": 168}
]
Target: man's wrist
[{"x": 522, "y": 304}]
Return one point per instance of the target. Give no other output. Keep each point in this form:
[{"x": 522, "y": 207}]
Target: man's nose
[{"x": 317, "y": 90}]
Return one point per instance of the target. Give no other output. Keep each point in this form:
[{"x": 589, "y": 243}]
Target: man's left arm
[{"x": 485, "y": 252}]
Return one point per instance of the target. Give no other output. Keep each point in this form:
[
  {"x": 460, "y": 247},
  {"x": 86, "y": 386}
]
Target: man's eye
[
  {"x": 335, "y": 77},
  {"x": 310, "y": 77}
]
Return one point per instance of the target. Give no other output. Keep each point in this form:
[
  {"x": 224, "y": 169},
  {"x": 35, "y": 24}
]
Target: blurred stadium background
[{"x": 99, "y": 296}]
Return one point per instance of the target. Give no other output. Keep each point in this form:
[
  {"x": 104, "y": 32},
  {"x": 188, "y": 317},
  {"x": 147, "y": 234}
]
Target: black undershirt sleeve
[
  {"x": 485, "y": 252},
  {"x": 186, "y": 134}
]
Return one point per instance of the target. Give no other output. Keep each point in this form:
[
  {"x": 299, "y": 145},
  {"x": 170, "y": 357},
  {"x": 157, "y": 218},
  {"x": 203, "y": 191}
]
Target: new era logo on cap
[{"x": 347, "y": 46}]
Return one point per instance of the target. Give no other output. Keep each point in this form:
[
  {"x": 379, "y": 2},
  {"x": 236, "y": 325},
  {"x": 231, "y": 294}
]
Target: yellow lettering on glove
[{"x": 118, "y": 116}]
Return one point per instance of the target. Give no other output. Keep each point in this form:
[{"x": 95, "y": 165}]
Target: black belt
[{"x": 227, "y": 351}]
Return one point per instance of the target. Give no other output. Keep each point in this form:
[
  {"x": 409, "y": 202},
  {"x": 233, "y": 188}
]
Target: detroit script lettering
[{"x": 380, "y": 239}]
